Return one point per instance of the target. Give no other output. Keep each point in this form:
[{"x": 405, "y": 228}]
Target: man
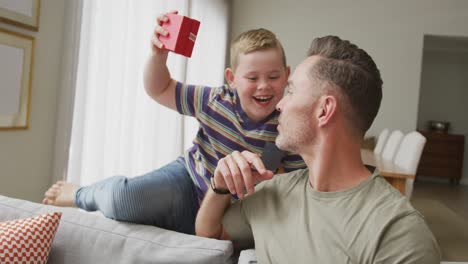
[{"x": 336, "y": 211}]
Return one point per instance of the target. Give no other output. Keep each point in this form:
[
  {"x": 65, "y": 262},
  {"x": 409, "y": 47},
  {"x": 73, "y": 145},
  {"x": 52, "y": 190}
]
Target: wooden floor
[
  {"x": 447, "y": 217},
  {"x": 453, "y": 196}
]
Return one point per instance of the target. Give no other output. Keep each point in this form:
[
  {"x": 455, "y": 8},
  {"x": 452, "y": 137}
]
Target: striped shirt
[{"x": 224, "y": 128}]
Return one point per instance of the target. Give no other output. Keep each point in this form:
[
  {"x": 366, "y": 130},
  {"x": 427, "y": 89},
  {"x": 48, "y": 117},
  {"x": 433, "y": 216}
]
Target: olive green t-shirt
[{"x": 289, "y": 222}]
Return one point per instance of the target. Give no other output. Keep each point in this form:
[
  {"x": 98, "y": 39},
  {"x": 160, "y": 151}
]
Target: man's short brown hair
[
  {"x": 254, "y": 40},
  {"x": 354, "y": 73}
]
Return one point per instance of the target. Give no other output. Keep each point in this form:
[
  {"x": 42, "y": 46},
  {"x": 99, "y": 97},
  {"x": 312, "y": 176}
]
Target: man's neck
[{"x": 335, "y": 165}]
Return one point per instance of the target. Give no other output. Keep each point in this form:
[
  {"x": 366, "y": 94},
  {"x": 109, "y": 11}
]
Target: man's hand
[
  {"x": 236, "y": 172},
  {"x": 240, "y": 171}
]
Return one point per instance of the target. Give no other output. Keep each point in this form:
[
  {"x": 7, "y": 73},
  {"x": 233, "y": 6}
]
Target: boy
[{"x": 242, "y": 117}]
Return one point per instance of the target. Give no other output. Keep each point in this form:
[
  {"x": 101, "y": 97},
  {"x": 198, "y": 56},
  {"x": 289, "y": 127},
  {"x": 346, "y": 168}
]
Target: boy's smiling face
[{"x": 260, "y": 79}]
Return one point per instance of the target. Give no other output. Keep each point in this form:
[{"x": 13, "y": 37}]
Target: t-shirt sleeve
[
  {"x": 293, "y": 162},
  {"x": 408, "y": 240},
  {"x": 191, "y": 99},
  {"x": 236, "y": 224}
]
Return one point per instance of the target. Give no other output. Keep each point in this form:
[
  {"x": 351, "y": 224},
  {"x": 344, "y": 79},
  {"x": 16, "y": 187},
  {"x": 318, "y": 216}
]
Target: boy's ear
[
  {"x": 288, "y": 72},
  {"x": 229, "y": 75}
]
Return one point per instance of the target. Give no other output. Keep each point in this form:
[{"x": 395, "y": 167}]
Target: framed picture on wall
[
  {"x": 16, "y": 64},
  {"x": 23, "y": 13}
]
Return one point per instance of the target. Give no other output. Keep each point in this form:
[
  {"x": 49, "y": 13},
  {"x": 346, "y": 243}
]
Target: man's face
[
  {"x": 297, "y": 120},
  {"x": 260, "y": 79}
]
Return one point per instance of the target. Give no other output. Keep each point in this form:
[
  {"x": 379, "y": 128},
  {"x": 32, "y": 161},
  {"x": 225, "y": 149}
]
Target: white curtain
[{"x": 116, "y": 128}]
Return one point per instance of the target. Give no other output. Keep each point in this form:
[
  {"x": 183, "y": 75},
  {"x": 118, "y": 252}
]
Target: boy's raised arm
[{"x": 157, "y": 80}]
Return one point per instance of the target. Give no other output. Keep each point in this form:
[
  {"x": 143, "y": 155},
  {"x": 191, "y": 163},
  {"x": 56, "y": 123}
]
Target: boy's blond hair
[{"x": 254, "y": 40}]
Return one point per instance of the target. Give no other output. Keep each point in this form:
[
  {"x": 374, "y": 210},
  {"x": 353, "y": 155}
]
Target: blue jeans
[{"x": 165, "y": 198}]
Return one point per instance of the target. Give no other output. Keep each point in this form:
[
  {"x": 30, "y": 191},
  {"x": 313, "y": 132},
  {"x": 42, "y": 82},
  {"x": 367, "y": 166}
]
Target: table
[{"x": 394, "y": 174}]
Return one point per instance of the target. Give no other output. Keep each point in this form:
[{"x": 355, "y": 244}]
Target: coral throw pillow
[{"x": 28, "y": 240}]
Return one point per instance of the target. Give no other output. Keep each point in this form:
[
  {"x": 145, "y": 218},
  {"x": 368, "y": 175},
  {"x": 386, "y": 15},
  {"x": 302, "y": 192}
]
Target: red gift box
[{"x": 182, "y": 34}]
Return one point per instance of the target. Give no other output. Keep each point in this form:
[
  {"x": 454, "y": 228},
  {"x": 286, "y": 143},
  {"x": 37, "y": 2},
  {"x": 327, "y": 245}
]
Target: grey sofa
[{"x": 89, "y": 238}]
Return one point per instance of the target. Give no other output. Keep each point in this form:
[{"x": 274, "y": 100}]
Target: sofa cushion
[
  {"x": 247, "y": 256},
  {"x": 87, "y": 238},
  {"x": 28, "y": 240}
]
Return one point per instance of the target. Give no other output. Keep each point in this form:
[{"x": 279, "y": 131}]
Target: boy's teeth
[{"x": 264, "y": 98}]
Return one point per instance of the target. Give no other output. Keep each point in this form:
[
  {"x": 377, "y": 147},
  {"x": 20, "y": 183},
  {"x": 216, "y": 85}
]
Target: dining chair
[
  {"x": 408, "y": 156},
  {"x": 392, "y": 144},
  {"x": 381, "y": 140}
]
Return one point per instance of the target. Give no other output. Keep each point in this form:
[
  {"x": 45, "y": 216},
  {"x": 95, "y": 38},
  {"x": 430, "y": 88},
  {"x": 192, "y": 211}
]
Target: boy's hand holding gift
[{"x": 175, "y": 33}]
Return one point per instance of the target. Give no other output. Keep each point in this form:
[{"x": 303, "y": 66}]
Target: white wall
[
  {"x": 26, "y": 155},
  {"x": 391, "y": 31},
  {"x": 444, "y": 93}
]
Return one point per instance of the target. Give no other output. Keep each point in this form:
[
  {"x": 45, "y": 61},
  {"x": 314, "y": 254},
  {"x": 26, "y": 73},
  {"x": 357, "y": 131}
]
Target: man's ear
[
  {"x": 327, "y": 109},
  {"x": 229, "y": 75}
]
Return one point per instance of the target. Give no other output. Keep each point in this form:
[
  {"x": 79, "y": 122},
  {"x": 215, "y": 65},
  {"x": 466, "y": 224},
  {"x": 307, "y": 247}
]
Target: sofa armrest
[{"x": 87, "y": 238}]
